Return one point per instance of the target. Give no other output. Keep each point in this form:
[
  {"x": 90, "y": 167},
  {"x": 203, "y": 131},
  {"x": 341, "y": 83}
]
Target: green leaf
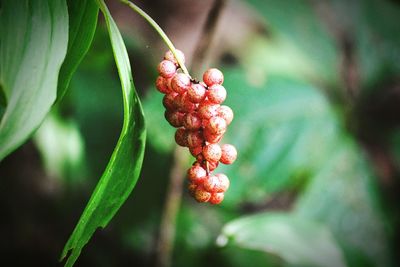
[
  {"x": 123, "y": 170},
  {"x": 343, "y": 196},
  {"x": 297, "y": 241},
  {"x": 34, "y": 37},
  {"x": 82, "y": 26}
]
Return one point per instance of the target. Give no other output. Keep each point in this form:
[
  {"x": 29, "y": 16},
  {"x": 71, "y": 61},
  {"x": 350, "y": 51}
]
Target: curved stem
[{"x": 159, "y": 31}]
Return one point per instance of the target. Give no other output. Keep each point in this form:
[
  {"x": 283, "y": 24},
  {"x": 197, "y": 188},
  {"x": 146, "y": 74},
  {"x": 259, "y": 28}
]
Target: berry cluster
[{"x": 195, "y": 109}]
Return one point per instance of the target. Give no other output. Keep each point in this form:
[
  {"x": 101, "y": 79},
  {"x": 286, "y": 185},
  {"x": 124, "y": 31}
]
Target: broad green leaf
[
  {"x": 34, "y": 37},
  {"x": 297, "y": 241},
  {"x": 343, "y": 196},
  {"x": 123, "y": 170},
  {"x": 82, "y": 26}
]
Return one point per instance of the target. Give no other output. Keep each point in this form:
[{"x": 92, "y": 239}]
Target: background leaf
[
  {"x": 123, "y": 170},
  {"x": 33, "y": 46},
  {"x": 286, "y": 236},
  {"x": 82, "y": 26}
]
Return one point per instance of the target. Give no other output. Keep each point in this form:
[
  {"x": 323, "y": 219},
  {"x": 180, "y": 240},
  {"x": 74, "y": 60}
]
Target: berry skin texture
[
  {"x": 207, "y": 110},
  {"x": 211, "y": 165},
  {"x": 211, "y": 184},
  {"x": 192, "y": 121},
  {"x": 170, "y": 56},
  {"x": 180, "y": 83},
  {"x": 213, "y": 76},
  {"x": 181, "y": 137},
  {"x": 216, "y": 94},
  {"x": 161, "y": 85},
  {"x": 229, "y": 154},
  {"x": 195, "y": 139},
  {"x": 166, "y": 69},
  {"x": 197, "y": 174},
  {"x": 195, "y": 151},
  {"x": 201, "y": 195},
  {"x": 197, "y": 92},
  {"x": 216, "y": 126},
  {"x": 216, "y": 198},
  {"x": 212, "y": 152},
  {"x": 169, "y": 101},
  {"x": 212, "y": 138},
  {"x": 192, "y": 188},
  {"x": 175, "y": 118},
  {"x": 226, "y": 113},
  {"x": 223, "y": 182}
]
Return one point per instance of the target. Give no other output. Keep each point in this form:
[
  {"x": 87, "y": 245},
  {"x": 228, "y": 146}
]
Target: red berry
[
  {"x": 182, "y": 103},
  {"x": 201, "y": 195},
  {"x": 212, "y": 184},
  {"x": 212, "y": 152},
  {"x": 226, "y": 113},
  {"x": 192, "y": 121},
  {"x": 216, "y": 125},
  {"x": 169, "y": 101},
  {"x": 229, "y": 154},
  {"x": 212, "y": 138},
  {"x": 196, "y": 92},
  {"x": 216, "y": 198},
  {"x": 175, "y": 118},
  {"x": 213, "y": 76},
  {"x": 170, "y": 56},
  {"x": 180, "y": 83},
  {"x": 166, "y": 68},
  {"x": 161, "y": 85},
  {"x": 195, "y": 139},
  {"x": 195, "y": 151},
  {"x": 216, "y": 94},
  {"x": 211, "y": 165},
  {"x": 181, "y": 137},
  {"x": 223, "y": 182},
  {"x": 192, "y": 188},
  {"x": 207, "y": 109},
  {"x": 197, "y": 174}
]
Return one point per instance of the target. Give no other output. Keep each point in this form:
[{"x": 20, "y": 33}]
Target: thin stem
[{"x": 159, "y": 31}]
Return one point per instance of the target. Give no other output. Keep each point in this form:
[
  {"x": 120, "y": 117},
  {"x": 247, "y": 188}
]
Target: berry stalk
[{"x": 160, "y": 32}]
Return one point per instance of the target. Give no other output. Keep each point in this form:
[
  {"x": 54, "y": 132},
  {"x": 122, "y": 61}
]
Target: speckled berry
[
  {"x": 216, "y": 94},
  {"x": 166, "y": 68},
  {"x": 192, "y": 188},
  {"x": 201, "y": 195},
  {"x": 181, "y": 137},
  {"x": 183, "y": 104},
  {"x": 216, "y": 198},
  {"x": 229, "y": 154},
  {"x": 161, "y": 85},
  {"x": 207, "y": 109},
  {"x": 170, "y": 56},
  {"x": 169, "y": 101},
  {"x": 196, "y": 174},
  {"x": 197, "y": 92},
  {"x": 212, "y": 138},
  {"x": 192, "y": 121},
  {"x": 212, "y": 152},
  {"x": 180, "y": 83},
  {"x": 211, "y": 165},
  {"x": 216, "y": 125},
  {"x": 211, "y": 184},
  {"x": 223, "y": 182},
  {"x": 195, "y": 151},
  {"x": 226, "y": 113},
  {"x": 213, "y": 76},
  {"x": 175, "y": 118},
  {"x": 195, "y": 139}
]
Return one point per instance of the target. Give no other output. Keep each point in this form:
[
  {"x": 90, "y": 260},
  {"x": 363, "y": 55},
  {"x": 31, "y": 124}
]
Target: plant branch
[{"x": 159, "y": 31}]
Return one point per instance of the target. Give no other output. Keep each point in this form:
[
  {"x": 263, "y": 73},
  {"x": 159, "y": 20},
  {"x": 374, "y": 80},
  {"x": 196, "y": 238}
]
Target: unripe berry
[
  {"x": 223, "y": 182},
  {"x": 216, "y": 198},
  {"x": 226, "y": 113},
  {"x": 197, "y": 174},
  {"x": 229, "y": 154},
  {"x": 166, "y": 68},
  {"x": 197, "y": 92},
  {"x": 161, "y": 85},
  {"x": 181, "y": 137},
  {"x": 212, "y": 138},
  {"x": 192, "y": 121},
  {"x": 216, "y": 94},
  {"x": 180, "y": 83},
  {"x": 195, "y": 151},
  {"x": 201, "y": 195},
  {"x": 211, "y": 184},
  {"x": 195, "y": 139},
  {"x": 170, "y": 56},
  {"x": 169, "y": 101},
  {"x": 213, "y": 76},
  {"x": 212, "y": 152},
  {"x": 175, "y": 118},
  {"x": 207, "y": 109},
  {"x": 216, "y": 125}
]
